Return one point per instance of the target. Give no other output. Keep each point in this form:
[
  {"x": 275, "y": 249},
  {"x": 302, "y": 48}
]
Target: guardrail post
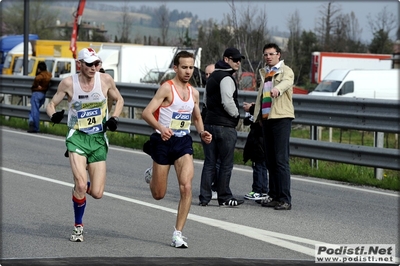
[
  {"x": 379, "y": 139},
  {"x": 314, "y": 136},
  {"x": 7, "y": 100}
]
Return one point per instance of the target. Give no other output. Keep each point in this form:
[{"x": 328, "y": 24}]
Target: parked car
[{"x": 159, "y": 76}]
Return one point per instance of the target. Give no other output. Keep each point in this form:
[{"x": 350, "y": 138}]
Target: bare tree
[
  {"x": 214, "y": 39},
  {"x": 249, "y": 32},
  {"x": 42, "y": 18},
  {"x": 325, "y": 25},
  {"x": 162, "y": 16},
  {"x": 354, "y": 28},
  {"x": 233, "y": 23},
  {"x": 245, "y": 29},
  {"x": 294, "y": 25},
  {"x": 381, "y": 27},
  {"x": 339, "y": 35},
  {"x": 384, "y": 20},
  {"x": 294, "y": 44},
  {"x": 346, "y": 34},
  {"x": 125, "y": 26},
  {"x": 253, "y": 32}
]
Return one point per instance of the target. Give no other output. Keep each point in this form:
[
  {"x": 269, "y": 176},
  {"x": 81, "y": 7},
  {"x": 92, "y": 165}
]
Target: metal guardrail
[
  {"x": 350, "y": 113},
  {"x": 339, "y": 112}
]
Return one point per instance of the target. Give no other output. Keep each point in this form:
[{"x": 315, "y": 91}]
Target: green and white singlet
[{"x": 87, "y": 110}]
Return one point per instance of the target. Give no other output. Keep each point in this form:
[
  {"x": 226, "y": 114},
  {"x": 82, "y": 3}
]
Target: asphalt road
[{"x": 127, "y": 224}]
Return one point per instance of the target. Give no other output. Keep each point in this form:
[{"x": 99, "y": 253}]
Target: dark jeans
[
  {"x": 260, "y": 177},
  {"x": 37, "y": 100},
  {"x": 222, "y": 147},
  {"x": 214, "y": 181},
  {"x": 277, "y": 135}
]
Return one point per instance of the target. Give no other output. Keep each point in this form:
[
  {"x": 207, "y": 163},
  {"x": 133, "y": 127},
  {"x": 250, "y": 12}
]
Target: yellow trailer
[
  {"x": 44, "y": 48},
  {"x": 56, "y": 48}
]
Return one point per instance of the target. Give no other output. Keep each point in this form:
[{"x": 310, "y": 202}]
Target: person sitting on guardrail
[{"x": 39, "y": 88}]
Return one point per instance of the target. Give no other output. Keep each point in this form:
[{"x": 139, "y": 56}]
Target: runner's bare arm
[
  {"x": 163, "y": 95},
  {"x": 64, "y": 89},
  {"x": 114, "y": 95}
]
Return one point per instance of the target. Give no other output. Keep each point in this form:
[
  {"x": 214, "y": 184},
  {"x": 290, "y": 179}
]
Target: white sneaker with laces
[
  {"x": 148, "y": 174},
  {"x": 177, "y": 240},
  {"x": 77, "y": 234},
  {"x": 253, "y": 196}
]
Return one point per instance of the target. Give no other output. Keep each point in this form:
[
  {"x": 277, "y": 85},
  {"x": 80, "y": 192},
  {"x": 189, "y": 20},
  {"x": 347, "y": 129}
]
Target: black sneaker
[
  {"x": 283, "y": 206},
  {"x": 231, "y": 203},
  {"x": 271, "y": 204},
  {"x": 203, "y": 204},
  {"x": 31, "y": 128},
  {"x": 265, "y": 199}
]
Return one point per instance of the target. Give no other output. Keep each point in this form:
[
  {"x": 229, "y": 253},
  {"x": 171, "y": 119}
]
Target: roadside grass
[{"x": 354, "y": 174}]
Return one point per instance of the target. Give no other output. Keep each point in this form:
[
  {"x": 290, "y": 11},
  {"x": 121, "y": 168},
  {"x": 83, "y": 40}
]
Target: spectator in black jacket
[
  {"x": 221, "y": 120},
  {"x": 208, "y": 70},
  {"x": 254, "y": 151}
]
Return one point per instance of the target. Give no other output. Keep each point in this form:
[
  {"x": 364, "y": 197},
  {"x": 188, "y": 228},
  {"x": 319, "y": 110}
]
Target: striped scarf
[{"x": 266, "y": 99}]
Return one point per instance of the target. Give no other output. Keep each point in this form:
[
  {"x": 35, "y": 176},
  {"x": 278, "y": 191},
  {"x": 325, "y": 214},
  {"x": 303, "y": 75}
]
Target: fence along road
[{"x": 340, "y": 112}]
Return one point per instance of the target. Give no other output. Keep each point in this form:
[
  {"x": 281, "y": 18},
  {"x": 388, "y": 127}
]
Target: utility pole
[{"x": 26, "y": 36}]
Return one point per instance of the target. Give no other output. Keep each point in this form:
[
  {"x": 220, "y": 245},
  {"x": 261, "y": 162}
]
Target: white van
[
  {"x": 360, "y": 83},
  {"x": 159, "y": 76}
]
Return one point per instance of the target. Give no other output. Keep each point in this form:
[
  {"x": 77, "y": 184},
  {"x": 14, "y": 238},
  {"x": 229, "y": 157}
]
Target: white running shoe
[
  {"x": 77, "y": 234},
  {"x": 253, "y": 196},
  {"x": 148, "y": 174},
  {"x": 214, "y": 195},
  {"x": 177, "y": 240}
]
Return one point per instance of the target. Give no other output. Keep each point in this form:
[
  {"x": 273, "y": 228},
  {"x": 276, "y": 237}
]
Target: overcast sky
[{"x": 279, "y": 11}]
